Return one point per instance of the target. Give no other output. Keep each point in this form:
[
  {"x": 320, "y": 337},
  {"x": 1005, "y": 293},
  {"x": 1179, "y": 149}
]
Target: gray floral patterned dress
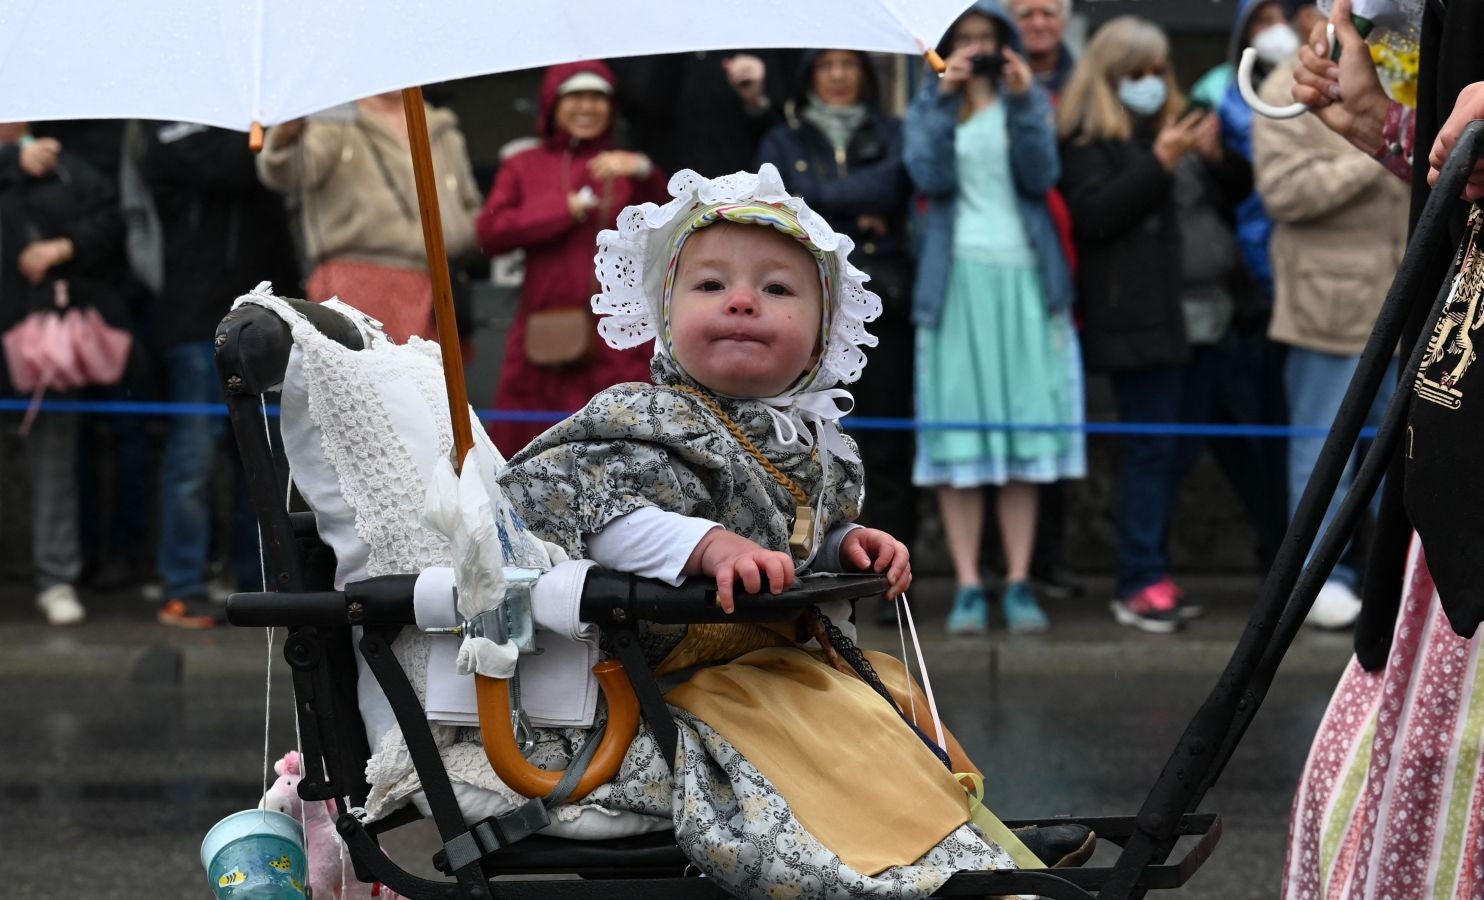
[{"x": 637, "y": 445}]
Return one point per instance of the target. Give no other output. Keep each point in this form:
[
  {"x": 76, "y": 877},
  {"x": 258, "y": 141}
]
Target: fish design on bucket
[{"x": 236, "y": 876}]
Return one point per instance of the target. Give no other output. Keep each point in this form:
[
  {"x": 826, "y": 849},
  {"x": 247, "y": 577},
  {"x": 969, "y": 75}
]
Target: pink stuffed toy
[{"x": 327, "y": 878}]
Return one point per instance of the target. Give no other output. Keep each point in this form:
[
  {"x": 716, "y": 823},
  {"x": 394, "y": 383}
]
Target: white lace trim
[{"x": 632, "y": 260}]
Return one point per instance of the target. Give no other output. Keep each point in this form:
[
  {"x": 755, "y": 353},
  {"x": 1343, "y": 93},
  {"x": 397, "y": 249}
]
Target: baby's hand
[
  {"x": 869, "y": 550},
  {"x": 730, "y": 558}
]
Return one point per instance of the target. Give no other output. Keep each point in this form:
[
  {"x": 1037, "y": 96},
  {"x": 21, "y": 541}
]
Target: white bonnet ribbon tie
[{"x": 820, "y": 410}]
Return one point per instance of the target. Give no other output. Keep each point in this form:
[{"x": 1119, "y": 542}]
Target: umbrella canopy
[{"x": 232, "y": 63}]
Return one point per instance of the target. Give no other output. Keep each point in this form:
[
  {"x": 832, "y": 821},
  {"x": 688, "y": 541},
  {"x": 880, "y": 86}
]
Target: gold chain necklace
[{"x": 801, "y": 541}]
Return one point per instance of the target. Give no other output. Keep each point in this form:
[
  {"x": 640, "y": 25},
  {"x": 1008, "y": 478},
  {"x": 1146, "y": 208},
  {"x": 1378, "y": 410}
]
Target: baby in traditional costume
[{"x": 794, "y": 776}]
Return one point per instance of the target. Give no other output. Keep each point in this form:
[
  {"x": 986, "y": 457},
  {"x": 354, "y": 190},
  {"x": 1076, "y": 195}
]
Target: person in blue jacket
[
  {"x": 842, "y": 153},
  {"x": 992, "y": 304}
]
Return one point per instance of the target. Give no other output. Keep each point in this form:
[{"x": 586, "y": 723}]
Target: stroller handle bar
[{"x": 608, "y": 598}]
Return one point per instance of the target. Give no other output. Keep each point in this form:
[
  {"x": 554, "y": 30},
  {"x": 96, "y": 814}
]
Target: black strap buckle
[{"x": 488, "y": 835}]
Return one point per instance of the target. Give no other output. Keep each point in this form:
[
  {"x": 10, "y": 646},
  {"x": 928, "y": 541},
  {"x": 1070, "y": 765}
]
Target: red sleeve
[
  {"x": 513, "y": 218},
  {"x": 1056, "y": 204},
  {"x": 1398, "y": 137}
]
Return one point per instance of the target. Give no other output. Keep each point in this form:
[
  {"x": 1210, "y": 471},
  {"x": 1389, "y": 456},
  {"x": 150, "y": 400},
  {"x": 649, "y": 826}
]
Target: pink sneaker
[
  {"x": 1186, "y": 609},
  {"x": 1155, "y": 609}
]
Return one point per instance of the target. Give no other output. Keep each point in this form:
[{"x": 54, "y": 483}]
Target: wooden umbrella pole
[{"x": 443, "y": 312}]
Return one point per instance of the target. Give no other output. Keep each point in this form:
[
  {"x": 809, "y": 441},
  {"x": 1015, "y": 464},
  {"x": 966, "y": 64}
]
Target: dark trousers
[
  {"x": 1230, "y": 382},
  {"x": 1147, "y": 478},
  {"x": 1239, "y": 381}
]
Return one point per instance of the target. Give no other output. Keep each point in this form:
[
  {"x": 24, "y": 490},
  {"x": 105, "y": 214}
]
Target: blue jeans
[
  {"x": 1149, "y": 477},
  {"x": 1316, "y": 384},
  {"x": 51, "y": 455},
  {"x": 185, "y": 480}
]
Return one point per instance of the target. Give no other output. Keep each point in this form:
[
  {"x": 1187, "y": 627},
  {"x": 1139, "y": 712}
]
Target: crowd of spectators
[{"x": 1030, "y": 218}]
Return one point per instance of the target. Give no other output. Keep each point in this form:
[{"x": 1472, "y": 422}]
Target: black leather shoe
[{"x": 1059, "y": 846}]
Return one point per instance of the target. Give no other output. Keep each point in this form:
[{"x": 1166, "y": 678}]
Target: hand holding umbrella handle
[{"x": 1249, "y": 93}]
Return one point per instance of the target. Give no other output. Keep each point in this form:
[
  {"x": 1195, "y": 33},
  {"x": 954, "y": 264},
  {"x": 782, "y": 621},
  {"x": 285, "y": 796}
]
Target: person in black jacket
[
  {"x": 1148, "y": 188},
  {"x": 61, "y": 245},
  {"x": 223, "y": 234},
  {"x": 839, "y": 151},
  {"x": 705, "y": 111}
]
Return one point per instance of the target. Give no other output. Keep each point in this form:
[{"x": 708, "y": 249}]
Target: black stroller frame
[{"x": 252, "y": 350}]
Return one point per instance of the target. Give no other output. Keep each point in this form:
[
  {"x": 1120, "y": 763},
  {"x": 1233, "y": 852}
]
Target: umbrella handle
[
  {"x": 935, "y": 60},
  {"x": 493, "y": 695},
  {"x": 1259, "y": 105},
  {"x": 1292, "y": 111}
]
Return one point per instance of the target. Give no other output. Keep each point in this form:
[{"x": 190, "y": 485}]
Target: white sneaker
[
  {"x": 60, "y": 605},
  {"x": 1335, "y": 608}
]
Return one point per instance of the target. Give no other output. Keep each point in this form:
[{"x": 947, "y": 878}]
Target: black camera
[{"x": 988, "y": 64}]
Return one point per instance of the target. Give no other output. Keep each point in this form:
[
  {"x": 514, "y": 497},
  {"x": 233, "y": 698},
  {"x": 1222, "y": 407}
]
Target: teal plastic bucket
[{"x": 255, "y": 854}]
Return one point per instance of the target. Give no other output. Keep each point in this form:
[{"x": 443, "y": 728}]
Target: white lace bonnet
[{"x": 633, "y": 261}]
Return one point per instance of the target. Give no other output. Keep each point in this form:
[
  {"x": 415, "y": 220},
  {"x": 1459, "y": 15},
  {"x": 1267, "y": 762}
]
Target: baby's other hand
[
  {"x": 731, "y": 558},
  {"x": 870, "y": 550}
]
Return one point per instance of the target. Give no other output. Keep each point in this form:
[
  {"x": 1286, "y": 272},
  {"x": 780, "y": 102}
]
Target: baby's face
[{"x": 745, "y": 311}]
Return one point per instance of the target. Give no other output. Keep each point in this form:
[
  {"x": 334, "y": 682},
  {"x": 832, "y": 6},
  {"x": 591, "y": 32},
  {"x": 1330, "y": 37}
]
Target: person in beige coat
[
  {"x": 1340, "y": 231},
  {"x": 361, "y": 225}
]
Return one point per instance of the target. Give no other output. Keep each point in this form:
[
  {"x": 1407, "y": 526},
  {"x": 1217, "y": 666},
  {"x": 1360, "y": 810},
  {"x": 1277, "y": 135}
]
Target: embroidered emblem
[{"x": 1450, "y": 351}]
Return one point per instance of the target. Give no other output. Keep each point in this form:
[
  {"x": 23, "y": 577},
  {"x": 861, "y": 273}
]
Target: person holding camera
[
  {"x": 992, "y": 303},
  {"x": 1153, "y": 194}
]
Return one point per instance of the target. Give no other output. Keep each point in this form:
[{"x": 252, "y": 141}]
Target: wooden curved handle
[{"x": 493, "y": 695}]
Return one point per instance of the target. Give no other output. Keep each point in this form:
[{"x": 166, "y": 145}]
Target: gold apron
[{"x": 853, "y": 773}]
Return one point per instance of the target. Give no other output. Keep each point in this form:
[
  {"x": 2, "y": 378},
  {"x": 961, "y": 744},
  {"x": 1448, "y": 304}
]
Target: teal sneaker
[
  {"x": 970, "y": 613},
  {"x": 1023, "y": 615}
]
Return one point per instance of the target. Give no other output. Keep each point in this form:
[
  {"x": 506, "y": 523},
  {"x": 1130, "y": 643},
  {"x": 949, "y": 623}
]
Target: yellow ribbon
[{"x": 992, "y": 827}]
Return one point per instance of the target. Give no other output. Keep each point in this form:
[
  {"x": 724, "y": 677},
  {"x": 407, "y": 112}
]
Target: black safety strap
[
  {"x": 489, "y": 835},
  {"x": 647, "y": 690}
]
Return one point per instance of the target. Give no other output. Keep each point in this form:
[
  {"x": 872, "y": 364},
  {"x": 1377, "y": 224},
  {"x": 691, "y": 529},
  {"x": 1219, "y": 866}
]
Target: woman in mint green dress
[{"x": 992, "y": 305}]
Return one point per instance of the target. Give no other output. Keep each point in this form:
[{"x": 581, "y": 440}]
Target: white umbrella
[{"x": 232, "y": 63}]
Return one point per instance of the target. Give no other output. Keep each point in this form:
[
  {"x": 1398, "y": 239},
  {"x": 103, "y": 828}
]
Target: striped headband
[{"x": 775, "y": 216}]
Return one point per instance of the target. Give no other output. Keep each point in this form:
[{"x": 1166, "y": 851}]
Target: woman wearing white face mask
[{"x": 1151, "y": 193}]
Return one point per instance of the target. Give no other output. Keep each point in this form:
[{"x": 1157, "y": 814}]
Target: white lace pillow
[{"x": 362, "y": 430}]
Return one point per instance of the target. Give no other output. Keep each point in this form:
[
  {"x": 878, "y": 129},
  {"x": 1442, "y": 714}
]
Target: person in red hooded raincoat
[{"x": 551, "y": 201}]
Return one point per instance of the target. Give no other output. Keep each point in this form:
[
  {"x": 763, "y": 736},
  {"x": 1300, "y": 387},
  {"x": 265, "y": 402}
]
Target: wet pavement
[{"x": 113, "y": 767}]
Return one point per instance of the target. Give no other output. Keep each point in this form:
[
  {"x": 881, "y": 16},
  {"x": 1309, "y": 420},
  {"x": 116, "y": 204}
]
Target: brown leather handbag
[{"x": 559, "y": 337}]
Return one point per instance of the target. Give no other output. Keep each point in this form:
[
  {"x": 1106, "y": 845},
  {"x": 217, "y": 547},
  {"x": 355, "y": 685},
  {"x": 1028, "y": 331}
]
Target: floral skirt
[{"x": 1390, "y": 803}]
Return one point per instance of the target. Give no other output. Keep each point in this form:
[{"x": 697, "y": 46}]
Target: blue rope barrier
[{"x": 854, "y": 423}]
